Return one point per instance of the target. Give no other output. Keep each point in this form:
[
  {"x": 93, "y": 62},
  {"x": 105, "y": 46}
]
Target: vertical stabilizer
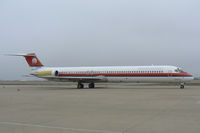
[{"x": 31, "y": 59}]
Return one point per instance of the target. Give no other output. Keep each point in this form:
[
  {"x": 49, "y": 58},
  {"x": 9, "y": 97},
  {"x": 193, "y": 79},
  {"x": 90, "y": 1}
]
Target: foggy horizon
[{"x": 99, "y": 33}]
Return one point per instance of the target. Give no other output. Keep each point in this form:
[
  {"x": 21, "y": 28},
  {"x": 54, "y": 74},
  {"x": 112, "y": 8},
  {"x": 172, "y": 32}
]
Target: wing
[{"x": 76, "y": 79}]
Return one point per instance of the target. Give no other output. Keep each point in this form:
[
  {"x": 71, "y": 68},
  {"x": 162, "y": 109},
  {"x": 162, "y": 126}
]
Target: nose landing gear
[{"x": 182, "y": 85}]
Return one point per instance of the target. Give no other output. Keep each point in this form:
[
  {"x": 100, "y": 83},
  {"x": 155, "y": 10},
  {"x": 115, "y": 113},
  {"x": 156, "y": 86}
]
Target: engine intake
[{"x": 55, "y": 73}]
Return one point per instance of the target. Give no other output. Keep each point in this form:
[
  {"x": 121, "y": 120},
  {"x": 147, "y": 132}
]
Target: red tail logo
[{"x": 32, "y": 60}]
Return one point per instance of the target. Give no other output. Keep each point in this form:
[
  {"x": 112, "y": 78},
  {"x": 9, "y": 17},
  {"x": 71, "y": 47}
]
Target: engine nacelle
[
  {"x": 44, "y": 73},
  {"x": 55, "y": 73}
]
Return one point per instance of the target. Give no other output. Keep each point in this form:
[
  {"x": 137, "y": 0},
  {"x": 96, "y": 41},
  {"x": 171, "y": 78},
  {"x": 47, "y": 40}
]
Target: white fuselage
[{"x": 139, "y": 74}]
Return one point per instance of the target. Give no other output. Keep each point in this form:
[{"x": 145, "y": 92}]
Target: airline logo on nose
[{"x": 34, "y": 61}]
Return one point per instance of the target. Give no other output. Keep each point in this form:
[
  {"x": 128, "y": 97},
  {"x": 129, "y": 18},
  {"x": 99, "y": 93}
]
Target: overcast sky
[{"x": 98, "y": 33}]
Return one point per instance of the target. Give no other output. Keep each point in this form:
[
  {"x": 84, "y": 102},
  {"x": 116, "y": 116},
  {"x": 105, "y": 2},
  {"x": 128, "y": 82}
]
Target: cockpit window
[{"x": 179, "y": 70}]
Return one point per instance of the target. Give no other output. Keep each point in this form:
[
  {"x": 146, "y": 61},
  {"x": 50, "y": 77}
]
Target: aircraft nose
[{"x": 191, "y": 76}]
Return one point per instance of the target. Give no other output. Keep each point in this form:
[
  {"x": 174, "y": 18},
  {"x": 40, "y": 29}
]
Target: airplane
[{"x": 114, "y": 74}]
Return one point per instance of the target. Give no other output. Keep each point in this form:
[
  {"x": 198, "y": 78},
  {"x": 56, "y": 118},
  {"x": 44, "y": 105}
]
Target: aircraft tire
[
  {"x": 80, "y": 86},
  {"x": 91, "y": 85}
]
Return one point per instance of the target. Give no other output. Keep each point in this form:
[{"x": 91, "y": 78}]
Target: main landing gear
[
  {"x": 81, "y": 85},
  {"x": 91, "y": 85},
  {"x": 182, "y": 86}
]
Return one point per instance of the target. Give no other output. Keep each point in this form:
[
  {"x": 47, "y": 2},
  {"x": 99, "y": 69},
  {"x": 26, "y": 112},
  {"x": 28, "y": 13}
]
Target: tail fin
[{"x": 31, "y": 59}]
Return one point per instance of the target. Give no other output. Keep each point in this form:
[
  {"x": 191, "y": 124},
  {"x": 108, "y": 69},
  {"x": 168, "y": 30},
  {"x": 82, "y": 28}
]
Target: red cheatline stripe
[{"x": 128, "y": 74}]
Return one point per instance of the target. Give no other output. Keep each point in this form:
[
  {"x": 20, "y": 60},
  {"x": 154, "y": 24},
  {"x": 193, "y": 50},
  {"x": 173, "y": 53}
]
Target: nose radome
[{"x": 192, "y": 77}]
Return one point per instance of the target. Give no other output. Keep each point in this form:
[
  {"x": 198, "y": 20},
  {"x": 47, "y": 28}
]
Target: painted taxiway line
[{"x": 55, "y": 127}]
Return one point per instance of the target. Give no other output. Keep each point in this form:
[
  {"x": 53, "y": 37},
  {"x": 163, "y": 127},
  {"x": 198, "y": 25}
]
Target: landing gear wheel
[
  {"x": 80, "y": 86},
  {"x": 91, "y": 85},
  {"x": 182, "y": 86}
]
